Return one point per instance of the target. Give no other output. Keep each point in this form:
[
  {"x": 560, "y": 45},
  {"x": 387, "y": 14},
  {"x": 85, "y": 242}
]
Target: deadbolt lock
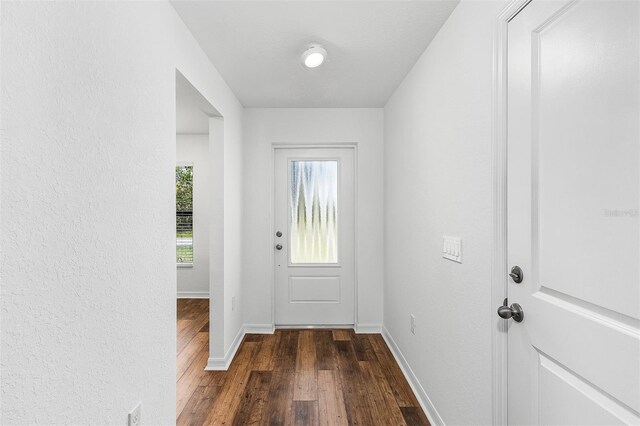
[{"x": 516, "y": 274}]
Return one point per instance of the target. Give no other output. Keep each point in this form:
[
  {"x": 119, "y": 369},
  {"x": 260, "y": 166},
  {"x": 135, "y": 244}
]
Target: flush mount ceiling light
[{"x": 313, "y": 56}]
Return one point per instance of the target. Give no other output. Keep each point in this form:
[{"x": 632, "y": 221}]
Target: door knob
[
  {"x": 514, "y": 311},
  {"x": 278, "y": 234},
  {"x": 278, "y": 246},
  {"x": 516, "y": 274}
]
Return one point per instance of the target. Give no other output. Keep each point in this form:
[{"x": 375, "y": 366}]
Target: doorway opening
[{"x": 197, "y": 225}]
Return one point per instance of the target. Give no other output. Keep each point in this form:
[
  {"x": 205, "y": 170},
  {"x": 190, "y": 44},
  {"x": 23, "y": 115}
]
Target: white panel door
[
  {"x": 573, "y": 200},
  {"x": 314, "y": 236}
]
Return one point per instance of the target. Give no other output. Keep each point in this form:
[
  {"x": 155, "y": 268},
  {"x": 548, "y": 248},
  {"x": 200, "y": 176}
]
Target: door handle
[
  {"x": 514, "y": 311},
  {"x": 278, "y": 246}
]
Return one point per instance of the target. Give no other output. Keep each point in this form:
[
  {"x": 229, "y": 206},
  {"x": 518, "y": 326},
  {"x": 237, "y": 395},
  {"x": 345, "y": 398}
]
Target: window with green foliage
[{"x": 184, "y": 214}]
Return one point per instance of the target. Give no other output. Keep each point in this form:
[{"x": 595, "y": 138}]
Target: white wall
[
  {"x": 194, "y": 149},
  {"x": 438, "y": 182},
  {"x": 262, "y": 128},
  {"x": 88, "y": 240},
  {"x": 226, "y": 140}
]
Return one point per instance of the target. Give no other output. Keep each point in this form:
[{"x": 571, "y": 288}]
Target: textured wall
[
  {"x": 263, "y": 127},
  {"x": 438, "y": 182},
  {"x": 87, "y": 172}
]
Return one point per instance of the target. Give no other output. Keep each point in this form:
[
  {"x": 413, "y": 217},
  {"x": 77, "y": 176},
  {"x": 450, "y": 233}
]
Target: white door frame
[
  {"x": 272, "y": 211},
  {"x": 499, "y": 265}
]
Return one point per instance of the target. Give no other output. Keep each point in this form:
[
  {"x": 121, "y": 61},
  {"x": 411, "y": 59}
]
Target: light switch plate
[{"x": 452, "y": 248}]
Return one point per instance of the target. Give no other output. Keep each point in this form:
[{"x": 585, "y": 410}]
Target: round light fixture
[{"x": 313, "y": 56}]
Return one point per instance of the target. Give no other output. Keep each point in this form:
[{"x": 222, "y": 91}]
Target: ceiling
[{"x": 371, "y": 45}]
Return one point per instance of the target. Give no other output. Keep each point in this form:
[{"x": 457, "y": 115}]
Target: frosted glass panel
[{"x": 314, "y": 211}]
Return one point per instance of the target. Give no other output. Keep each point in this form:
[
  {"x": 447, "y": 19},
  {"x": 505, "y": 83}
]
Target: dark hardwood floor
[{"x": 293, "y": 377}]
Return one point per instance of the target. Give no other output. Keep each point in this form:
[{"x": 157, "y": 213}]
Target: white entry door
[
  {"x": 314, "y": 236},
  {"x": 573, "y": 225}
]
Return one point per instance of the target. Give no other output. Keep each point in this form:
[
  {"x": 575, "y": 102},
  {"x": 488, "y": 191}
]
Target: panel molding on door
[
  {"x": 314, "y": 289},
  {"x": 314, "y": 256}
]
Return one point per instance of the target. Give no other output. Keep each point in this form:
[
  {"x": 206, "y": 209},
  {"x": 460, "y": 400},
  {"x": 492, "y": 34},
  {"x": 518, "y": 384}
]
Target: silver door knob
[
  {"x": 516, "y": 274},
  {"x": 278, "y": 246},
  {"x": 514, "y": 311}
]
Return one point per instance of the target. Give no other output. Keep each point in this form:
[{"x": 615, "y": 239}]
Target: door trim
[
  {"x": 499, "y": 335},
  {"x": 272, "y": 211}
]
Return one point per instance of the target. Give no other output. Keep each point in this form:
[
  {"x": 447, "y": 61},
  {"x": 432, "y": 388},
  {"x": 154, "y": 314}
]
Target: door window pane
[{"x": 313, "y": 215}]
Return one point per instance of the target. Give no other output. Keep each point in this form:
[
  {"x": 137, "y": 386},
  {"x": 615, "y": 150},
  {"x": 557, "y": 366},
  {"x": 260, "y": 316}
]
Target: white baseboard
[
  {"x": 259, "y": 329},
  {"x": 222, "y": 364},
  {"x": 418, "y": 390},
  {"x": 193, "y": 295},
  {"x": 315, "y": 327},
  {"x": 368, "y": 328}
]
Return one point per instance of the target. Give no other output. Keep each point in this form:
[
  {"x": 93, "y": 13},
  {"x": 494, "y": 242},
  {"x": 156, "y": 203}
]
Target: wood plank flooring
[{"x": 293, "y": 377}]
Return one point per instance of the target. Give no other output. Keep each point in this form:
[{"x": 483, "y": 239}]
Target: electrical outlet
[
  {"x": 233, "y": 303},
  {"x": 135, "y": 416},
  {"x": 412, "y": 320}
]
